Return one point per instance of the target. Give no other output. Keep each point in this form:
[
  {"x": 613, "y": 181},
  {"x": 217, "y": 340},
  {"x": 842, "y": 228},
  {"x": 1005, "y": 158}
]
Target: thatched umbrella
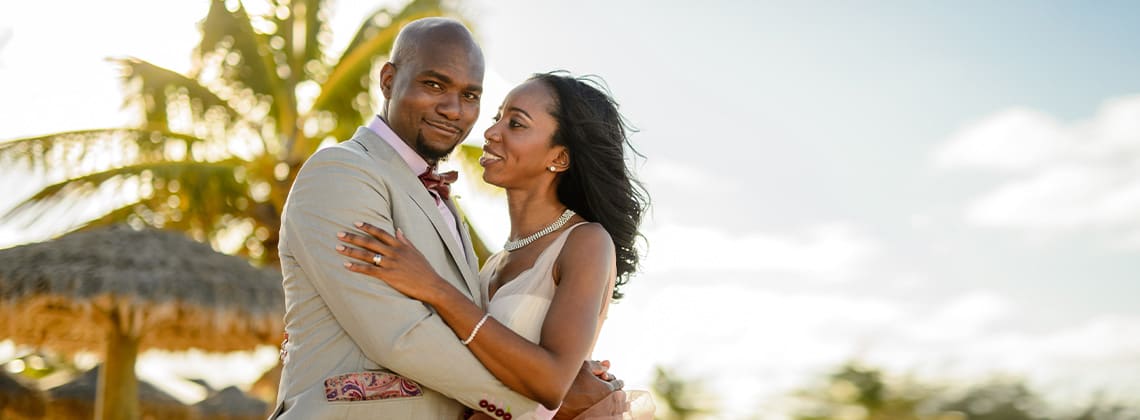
[
  {"x": 76, "y": 400},
  {"x": 22, "y": 399},
  {"x": 231, "y": 404},
  {"x": 121, "y": 291}
]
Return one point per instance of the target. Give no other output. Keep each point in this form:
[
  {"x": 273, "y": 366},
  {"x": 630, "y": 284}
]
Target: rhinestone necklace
[{"x": 513, "y": 245}]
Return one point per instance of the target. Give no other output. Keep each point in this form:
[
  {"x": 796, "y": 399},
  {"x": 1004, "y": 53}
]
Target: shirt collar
[{"x": 413, "y": 159}]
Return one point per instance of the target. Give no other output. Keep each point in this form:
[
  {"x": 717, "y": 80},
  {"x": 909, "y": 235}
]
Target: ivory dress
[{"x": 521, "y": 305}]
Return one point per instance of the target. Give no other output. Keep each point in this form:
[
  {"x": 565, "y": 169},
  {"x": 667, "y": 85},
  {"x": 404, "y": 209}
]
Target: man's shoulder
[
  {"x": 347, "y": 155},
  {"x": 348, "y": 150}
]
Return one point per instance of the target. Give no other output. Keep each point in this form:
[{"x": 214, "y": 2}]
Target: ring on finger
[{"x": 376, "y": 259}]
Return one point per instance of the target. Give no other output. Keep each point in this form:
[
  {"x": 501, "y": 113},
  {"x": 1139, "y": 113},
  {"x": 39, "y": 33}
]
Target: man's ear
[{"x": 387, "y": 79}]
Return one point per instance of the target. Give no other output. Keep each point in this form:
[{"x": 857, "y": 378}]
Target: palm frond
[
  {"x": 193, "y": 165},
  {"x": 232, "y": 31},
  {"x": 201, "y": 187},
  {"x": 72, "y": 149},
  {"x": 152, "y": 84},
  {"x": 304, "y": 50}
]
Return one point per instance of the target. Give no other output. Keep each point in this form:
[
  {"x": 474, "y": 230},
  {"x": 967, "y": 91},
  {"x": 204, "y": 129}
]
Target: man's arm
[{"x": 331, "y": 192}]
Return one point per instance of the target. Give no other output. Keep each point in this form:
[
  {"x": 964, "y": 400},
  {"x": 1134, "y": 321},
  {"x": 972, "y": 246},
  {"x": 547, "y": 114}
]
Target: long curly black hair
[{"x": 598, "y": 184}]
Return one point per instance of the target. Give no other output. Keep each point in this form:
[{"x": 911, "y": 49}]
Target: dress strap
[{"x": 555, "y": 248}]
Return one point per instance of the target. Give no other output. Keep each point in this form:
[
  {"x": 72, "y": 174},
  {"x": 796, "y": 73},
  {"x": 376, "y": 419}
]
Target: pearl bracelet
[{"x": 476, "y": 330}]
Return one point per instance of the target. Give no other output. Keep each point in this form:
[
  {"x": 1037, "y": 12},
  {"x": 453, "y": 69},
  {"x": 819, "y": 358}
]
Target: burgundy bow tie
[{"x": 441, "y": 183}]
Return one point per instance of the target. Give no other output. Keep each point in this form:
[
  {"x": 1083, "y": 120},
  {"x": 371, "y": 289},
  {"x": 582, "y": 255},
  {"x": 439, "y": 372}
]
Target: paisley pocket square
[{"x": 367, "y": 386}]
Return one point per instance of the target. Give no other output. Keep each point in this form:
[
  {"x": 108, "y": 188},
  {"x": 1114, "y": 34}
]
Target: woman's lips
[{"x": 488, "y": 157}]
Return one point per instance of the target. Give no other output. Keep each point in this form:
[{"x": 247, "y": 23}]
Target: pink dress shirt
[{"x": 418, "y": 166}]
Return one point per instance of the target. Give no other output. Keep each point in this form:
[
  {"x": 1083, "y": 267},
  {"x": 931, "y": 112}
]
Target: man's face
[{"x": 434, "y": 98}]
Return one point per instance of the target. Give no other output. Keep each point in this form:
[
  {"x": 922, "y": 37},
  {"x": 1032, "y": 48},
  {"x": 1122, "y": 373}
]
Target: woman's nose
[{"x": 491, "y": 134}]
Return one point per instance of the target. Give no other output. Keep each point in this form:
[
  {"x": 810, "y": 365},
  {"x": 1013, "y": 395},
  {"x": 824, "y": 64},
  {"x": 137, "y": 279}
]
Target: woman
[{"x": 557, "y": 148}]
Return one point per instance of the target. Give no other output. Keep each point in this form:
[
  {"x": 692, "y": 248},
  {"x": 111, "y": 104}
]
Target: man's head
[{"x": 432, "y": 85}]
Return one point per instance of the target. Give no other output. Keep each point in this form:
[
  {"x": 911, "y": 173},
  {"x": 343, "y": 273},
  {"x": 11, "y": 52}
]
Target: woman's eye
[
  {"x": 495, "y": 118},
  {"x": 515, "y": 123}
]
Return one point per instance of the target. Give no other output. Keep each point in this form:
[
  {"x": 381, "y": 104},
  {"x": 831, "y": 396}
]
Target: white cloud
[
  {"x": 1063, "y": 198},
  {"x": 1059, "y": 177},
  {"x": 752, "y": 345},
  {"x": 1009, "y": 140},
  {"x": 828, "y": 252}
]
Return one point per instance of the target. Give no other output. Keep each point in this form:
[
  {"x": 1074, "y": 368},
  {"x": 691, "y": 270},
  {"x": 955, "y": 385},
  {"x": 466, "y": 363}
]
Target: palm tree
[{"x": 217, "y": 149}]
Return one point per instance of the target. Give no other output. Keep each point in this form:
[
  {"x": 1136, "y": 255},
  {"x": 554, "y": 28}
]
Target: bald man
[{"x": 358, "y": 348}]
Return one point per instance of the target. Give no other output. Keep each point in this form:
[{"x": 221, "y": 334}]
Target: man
[{"x": 357, "y": 347}]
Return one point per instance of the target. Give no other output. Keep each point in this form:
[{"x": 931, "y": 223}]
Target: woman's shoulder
[{"x": 588, "y": 239}]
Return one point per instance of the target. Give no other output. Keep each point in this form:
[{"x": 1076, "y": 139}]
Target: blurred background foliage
[
  {"x": 216, "y": 149},
  {"x": 857, "y": 392},
  {"x": 679, "y": 398}
]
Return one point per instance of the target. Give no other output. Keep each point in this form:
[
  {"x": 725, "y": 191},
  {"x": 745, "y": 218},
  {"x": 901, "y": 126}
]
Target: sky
[{"x": 950, "y": 190}]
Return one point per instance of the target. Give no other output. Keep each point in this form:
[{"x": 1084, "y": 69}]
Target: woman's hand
[{"x": 401, "y": 265}]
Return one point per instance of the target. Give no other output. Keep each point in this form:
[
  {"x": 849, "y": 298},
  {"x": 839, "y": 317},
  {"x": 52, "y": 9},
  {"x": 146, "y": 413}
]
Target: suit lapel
[
  {"x": 408, "y": 182},
  {"x": 472, "y": 261}
]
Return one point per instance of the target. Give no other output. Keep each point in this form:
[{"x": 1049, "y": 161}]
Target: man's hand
[
  {"x": 600, "y": 369},
  {"x": 593, "y": 383}
]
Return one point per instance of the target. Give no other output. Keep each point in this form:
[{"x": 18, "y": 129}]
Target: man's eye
[
  {"x": 433, "y": 85},
  {"x": 472, "y": 96}
]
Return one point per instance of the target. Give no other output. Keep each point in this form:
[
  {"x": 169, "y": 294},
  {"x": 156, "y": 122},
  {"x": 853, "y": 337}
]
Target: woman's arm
[{"x": 541, "y": 371}]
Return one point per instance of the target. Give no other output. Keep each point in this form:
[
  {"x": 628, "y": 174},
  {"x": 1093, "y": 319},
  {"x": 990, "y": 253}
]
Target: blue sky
[{"x": 944, "y": 188}]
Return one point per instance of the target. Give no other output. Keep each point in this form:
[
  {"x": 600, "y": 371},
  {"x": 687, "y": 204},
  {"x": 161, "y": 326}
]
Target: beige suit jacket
[{"x": 340, "y": 322}]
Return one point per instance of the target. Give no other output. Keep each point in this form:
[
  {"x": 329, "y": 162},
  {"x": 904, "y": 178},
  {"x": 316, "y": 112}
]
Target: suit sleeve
[{"x": 332, "y": 191}]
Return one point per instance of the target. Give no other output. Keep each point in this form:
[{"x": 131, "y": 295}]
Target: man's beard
[{"x": 431, "y": 155}]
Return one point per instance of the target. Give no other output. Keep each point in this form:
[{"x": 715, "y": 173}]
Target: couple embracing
[{"x": 388, "y": 315}]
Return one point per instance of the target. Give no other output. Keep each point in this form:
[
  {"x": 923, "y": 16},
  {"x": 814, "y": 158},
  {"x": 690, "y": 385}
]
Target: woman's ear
[{"x": 561, "y": 161}]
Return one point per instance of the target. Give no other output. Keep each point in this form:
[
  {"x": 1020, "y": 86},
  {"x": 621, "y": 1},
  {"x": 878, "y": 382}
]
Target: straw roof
[
  {"x": 231, "y": 404},
  {"x": 76, "y": 399},
  {"x": 173, "y": 292},
  {"x": 22, "y": 399}
]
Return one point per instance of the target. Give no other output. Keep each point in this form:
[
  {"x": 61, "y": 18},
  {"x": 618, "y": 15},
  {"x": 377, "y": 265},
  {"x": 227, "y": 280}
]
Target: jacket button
[
  {"x": 500, "y": 412},
  {"x": 483, "y": 404}
]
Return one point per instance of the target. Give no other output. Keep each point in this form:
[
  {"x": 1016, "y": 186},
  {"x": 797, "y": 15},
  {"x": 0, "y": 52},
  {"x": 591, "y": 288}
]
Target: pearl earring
[{"x": 552, "y": 168}]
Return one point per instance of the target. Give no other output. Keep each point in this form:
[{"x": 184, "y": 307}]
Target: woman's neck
[{"x": 532, "y": 211}]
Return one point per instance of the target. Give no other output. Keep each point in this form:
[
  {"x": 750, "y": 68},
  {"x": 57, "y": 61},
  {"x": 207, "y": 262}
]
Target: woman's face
[{"x": 519, "y": 148}]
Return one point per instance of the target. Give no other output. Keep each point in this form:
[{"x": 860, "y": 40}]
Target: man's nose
[{"x": 451, "y": 107}]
